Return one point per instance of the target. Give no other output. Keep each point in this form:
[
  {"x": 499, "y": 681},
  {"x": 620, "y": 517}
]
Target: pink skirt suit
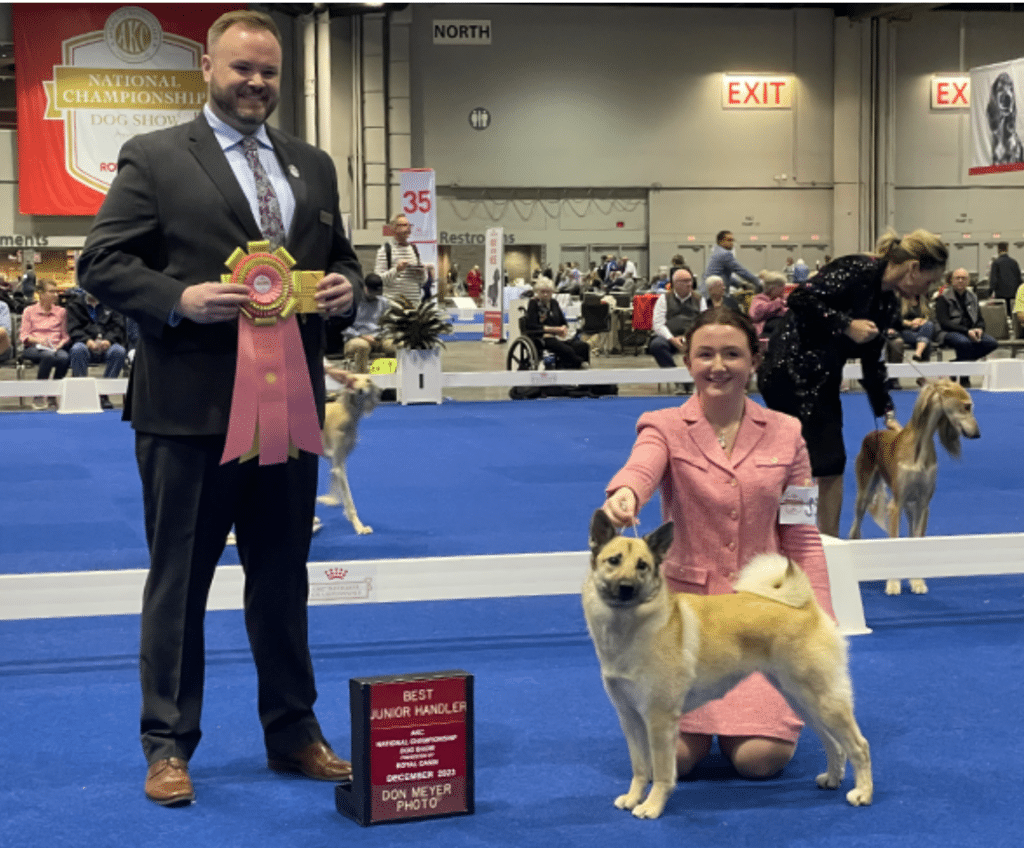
[{"x": 726, "y": 511}]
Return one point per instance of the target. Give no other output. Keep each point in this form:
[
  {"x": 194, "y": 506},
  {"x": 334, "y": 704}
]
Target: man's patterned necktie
[{"x": 271, "y": 224}]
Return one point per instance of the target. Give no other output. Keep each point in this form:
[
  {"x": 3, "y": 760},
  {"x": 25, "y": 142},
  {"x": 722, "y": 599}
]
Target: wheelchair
[{"x": 526, "y": 354}]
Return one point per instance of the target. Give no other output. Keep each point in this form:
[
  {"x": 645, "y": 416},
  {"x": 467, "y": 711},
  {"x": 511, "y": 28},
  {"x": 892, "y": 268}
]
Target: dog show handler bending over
[
  {"x": 843, "y": 313},
  {"x": 723, "y": 464}
]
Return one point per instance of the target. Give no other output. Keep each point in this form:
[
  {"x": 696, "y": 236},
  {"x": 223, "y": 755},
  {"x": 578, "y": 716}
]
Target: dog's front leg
[
  {"x": 635, "y": 731},
  {"x": 662, "y": 728}
]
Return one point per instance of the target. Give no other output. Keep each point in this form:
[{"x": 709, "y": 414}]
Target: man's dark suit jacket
[
  {"x": 173, "y": 215},
  {"x": 1004, "y": 276}
]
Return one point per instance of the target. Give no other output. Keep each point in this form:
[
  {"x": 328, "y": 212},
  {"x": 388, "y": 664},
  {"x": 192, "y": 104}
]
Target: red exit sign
[
  {"x": 757, "y": 91},
  {"x": 951, "y": 92}
]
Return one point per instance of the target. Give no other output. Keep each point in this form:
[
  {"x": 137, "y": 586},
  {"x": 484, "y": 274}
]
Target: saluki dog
[
  {"x": 358, "y": 397},
  {"x": 906, "y": 462}
]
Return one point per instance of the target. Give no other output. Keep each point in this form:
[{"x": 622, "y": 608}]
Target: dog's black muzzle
[{"x": 622, "y": 594}]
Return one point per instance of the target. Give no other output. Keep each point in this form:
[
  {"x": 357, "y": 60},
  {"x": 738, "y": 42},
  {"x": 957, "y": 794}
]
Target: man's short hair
[
  {"x": 721, "y": 235},
  {"x": 394, "y": 219},
  {"x": 243, "y": 17},
  {"x": 1003, "y": 246}
]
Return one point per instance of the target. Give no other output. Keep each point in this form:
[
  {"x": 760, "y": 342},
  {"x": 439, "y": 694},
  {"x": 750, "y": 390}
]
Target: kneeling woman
[
  {"x": 545, "y": 323},
  {"x": 722, "y": 463}
]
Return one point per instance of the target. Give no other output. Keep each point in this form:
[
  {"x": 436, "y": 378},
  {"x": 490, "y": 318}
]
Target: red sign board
[{"x": 412, "y": 751}]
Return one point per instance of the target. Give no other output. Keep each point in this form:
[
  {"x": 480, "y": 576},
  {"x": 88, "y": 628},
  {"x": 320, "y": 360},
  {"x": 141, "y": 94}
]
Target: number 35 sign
[{"x": 418, "y": 203}]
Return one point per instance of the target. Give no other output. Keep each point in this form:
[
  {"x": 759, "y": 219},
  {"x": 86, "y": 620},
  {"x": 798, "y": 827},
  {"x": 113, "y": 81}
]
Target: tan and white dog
[
  {"x": 359, "y": 397},
  {"x": 664, "y": 653},
  {"x": 905, "y": 461}
]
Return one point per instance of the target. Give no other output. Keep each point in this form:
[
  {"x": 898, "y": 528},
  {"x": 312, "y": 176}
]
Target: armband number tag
[{"x": 799, "y": 505}]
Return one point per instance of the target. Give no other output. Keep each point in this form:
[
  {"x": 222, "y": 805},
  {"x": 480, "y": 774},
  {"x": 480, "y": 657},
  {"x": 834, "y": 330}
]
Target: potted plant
[{"x": 416, "y": 331}]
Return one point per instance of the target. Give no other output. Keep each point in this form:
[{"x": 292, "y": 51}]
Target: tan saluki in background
[
  {"x": 906, "y": 462},
  {"x": 358, "y": 397}
]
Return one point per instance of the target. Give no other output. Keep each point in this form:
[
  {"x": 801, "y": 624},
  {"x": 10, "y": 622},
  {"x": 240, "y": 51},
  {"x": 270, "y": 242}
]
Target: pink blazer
[{"x": 726, "y": 511}]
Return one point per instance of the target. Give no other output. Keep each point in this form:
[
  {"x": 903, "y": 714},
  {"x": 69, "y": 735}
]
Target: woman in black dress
[{"x": 842, "y": 313}]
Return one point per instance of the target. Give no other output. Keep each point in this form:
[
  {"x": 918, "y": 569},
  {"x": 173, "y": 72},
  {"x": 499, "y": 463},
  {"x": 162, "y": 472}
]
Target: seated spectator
[
  {"x": 787, "y": 271},
  {"x": 768, "y": 308},
  {"x": 800, "y": 272},
  {"x": 916, "y": 329},
  {"x": 1018, "y": 305},
  {"x": 44, "y": 337},
  {"x": 916, "y": 326},
  {"x": 364, "y": 336},
  {"x": 961, "y": 325},
  {"x": 716, "y": 295},
  {"x": 97, "y": 335},
  {"x": 571, "y": 280},
  {"x": 674, "y": 313},
  {"x": 6, "y": 332},
  {"x": 545, "y": 323},
  {"x": 660, "y": 281}
]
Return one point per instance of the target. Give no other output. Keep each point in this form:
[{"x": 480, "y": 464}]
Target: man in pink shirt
[{"x": 44, "y": 337}]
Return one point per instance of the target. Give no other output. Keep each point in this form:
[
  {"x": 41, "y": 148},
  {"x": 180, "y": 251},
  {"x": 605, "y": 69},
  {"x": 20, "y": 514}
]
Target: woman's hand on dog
[{"x": 621, "y": 507}]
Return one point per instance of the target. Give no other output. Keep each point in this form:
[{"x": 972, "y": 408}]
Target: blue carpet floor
[
  {"x": 938, "y": 688},
  {"x": 448, "y": 480},
  {"x": 938, "y": 683}
]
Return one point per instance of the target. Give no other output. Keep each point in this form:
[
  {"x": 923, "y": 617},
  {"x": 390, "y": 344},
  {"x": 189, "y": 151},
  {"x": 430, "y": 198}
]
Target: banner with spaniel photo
[{"x": 995, "y": 131}]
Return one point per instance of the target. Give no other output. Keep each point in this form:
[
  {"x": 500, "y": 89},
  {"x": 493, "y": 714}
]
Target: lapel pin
[{"x": 293, "y": 171}]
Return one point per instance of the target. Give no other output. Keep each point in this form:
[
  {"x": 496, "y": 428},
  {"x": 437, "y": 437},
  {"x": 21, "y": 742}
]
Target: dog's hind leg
[
  {"x": 868, "y": 482},
  {"x": 839, "y": 720},
  {"x": 824, "y": 697},
  {"x": 341, "y": 479}
]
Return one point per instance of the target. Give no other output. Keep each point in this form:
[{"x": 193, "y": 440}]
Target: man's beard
[{"x": 227, "y": 103}]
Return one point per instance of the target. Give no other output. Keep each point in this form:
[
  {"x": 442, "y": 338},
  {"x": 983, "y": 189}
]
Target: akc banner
[
  {"x": 995, "y": 138},
  {"x": 89, "y": 78}
]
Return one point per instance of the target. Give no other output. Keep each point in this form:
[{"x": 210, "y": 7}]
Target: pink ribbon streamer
[{"x": 273, "y": 395}]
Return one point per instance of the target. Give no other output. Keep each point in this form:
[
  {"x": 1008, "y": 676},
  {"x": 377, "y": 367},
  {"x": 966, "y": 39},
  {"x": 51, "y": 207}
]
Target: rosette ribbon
[{"x": 273, "y": 409}]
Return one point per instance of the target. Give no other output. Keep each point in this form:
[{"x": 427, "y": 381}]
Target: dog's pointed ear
[
  {"x": 602, "y": 531},
  {"x": 660, "y": 540}
]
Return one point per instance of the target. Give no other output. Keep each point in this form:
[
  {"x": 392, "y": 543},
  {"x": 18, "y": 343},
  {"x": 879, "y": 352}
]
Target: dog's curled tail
[{"x": 777, "y": 578}]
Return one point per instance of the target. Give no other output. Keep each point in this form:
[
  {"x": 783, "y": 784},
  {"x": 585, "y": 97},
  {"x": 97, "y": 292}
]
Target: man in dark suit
[
  {"x": 183, "y": 200},
  {"x": 1004, "y": 276}
]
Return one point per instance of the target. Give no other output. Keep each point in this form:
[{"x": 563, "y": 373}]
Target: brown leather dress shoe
[
  {"x": 316, "y": 760},
  {"x": 168, "y": 783}
]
